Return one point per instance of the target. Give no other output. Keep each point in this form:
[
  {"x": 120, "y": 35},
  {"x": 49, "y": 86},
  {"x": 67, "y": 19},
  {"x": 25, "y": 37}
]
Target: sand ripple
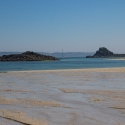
[
  {"x": 29, "y": 102},
  {"x": 21, "y": 117}
]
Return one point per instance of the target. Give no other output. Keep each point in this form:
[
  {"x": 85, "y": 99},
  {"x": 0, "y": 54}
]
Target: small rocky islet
[
  {"x": 105, "y": 53},
  {"x": 27, "y": 56}
]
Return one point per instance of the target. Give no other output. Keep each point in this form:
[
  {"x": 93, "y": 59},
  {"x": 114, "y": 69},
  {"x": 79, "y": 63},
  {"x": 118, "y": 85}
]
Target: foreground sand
[{"x": 63, "y": 97}]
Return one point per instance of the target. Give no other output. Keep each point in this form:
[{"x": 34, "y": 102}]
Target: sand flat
[{"x": 63, "y": 97}]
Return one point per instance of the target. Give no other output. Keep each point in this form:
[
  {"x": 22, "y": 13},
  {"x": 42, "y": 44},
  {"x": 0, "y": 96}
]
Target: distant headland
[
  {"x": 27, "y": 56},
  {"x": 105, "y": 53}
]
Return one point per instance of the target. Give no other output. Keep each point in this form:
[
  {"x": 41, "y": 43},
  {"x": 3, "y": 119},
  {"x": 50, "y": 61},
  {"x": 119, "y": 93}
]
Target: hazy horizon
[{"x": 53, "y": 25}]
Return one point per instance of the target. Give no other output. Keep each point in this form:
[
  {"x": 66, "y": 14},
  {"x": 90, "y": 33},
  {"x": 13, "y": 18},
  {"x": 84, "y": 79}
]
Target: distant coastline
[{"x": 55, "y": 54}]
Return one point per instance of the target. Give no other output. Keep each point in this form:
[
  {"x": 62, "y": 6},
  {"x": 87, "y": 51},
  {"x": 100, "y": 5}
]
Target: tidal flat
[{"x": 63, "y": 97}]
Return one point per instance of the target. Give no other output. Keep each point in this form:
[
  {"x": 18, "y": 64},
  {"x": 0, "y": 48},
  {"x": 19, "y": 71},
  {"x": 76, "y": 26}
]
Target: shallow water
[{"x": 66, "y": 63}]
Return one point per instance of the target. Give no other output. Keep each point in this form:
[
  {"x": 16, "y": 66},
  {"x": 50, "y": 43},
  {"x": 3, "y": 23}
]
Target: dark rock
[
  {"x": 26, "y": 56},
  {"x": 105, "y": 53}
]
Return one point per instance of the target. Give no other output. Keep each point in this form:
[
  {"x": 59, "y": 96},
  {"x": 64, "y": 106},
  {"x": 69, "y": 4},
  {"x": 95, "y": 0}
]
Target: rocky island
[
  {"x": 105, "y": 53},
  {"x": 26, "y": 56}
]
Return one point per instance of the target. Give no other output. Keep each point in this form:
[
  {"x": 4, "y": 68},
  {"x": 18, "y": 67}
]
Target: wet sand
[{"x": 63, "y": 97}]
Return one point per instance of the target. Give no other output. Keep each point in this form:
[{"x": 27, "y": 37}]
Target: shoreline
[
  {"x": 110, "y": 69},
  {"x": 116, "y": 59}
]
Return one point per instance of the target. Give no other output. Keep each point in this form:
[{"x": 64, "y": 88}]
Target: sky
[{"x": 53, "y": 25}]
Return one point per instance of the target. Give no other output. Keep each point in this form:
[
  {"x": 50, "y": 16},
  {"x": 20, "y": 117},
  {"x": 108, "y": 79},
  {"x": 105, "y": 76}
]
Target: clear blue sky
[{"x": 53, "y": 25}]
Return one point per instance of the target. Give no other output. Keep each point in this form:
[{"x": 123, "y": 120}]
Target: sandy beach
[{"x": 63, "y": 97}]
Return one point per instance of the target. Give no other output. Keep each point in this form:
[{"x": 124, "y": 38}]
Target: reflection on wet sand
[{"x": 63, "y": 97}]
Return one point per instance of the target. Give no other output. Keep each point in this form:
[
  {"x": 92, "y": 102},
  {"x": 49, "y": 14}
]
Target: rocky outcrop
[
  {"x": 105, "y": 53},
  {"x": 26, "y": 56}
]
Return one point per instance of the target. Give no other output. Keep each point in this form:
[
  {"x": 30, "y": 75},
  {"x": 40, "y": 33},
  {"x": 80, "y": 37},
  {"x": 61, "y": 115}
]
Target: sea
[{"x": 62, "y": 63}]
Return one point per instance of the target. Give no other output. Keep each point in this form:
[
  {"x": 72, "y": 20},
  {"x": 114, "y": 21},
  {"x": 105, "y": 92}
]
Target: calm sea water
[{"x": 66, "y": 63}]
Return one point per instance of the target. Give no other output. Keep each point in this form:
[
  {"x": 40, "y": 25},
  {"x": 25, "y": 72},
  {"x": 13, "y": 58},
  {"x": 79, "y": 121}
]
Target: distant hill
[
  {"x": 72, "y": 54},
  {"x": 56, "y": 54},
  {"x": 8, "y": 53}
]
